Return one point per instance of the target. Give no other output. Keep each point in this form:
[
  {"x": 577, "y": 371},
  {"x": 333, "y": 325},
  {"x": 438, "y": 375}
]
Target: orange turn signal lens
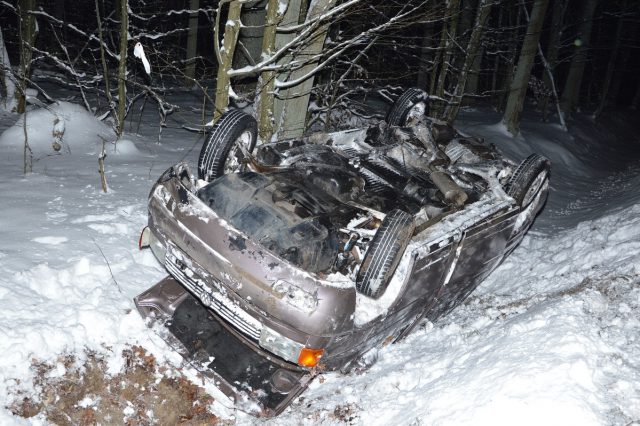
[{"x": 310, "y": 357}]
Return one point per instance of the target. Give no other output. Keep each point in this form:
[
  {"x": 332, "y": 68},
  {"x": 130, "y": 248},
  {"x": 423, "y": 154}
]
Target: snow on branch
[
  {"x": 347, "y": 44},
  {"x": 90, "y": 37},
  {"x": 330, "y": 13},
  {"x": 303, "y": 37},
  {"x": 138, "y": 52}
]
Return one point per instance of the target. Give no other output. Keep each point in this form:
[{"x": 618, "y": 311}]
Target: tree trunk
[
  {"x": 611, "y": 66},
  {"x": 122, "y": 65},
  {"x": 449, "y": 36},
  {"x": 511, "y": 46},
  {"x": 496, "y": 60},
  {"x": 438, "y": 59},
  {"x": 105, "y": 67},
  {"x": 7, "y": 81},
  {"x": 267, "y": 80},
  {"x": 60, "y": 8},
  {"x": 470, "y": 57},
  {"x": 518, "y": 88},
  {"x": 192, "y": 43},
  {"x": 27, "y": 40},
  {"x": 473, "y": 80},
  {"x": 559, "y": 9},
  {"x": 292, "y": 114},
  {"x": 468, "y": 12},
  {"x": 249, "y": 46},
  {"x": 620, "y": 78},
  {"x": 571, "y": 92},
  {"x": 223, "y": 82},
  {"x": 426, "y": 55}
]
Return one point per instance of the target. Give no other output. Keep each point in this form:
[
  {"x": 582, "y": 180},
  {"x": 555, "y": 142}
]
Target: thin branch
[
  {"x": 108, "y": 266},
  {"x": 345, "y": 45}
]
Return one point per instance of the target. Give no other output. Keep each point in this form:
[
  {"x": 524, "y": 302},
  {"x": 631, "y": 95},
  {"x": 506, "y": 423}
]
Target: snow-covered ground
[{"x": 551, "y": 337}]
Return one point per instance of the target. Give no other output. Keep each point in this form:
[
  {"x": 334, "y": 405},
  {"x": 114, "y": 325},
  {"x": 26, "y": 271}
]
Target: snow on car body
[{"x": 304, "y": 255}]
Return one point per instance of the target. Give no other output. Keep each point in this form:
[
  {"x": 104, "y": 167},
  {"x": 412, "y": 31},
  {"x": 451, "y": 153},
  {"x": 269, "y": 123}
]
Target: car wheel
[
  {"x": 527, "y": 179},
  {"x": 384, "y": 253},
  {"x": 225, "y": 148},
  {"x": 412, "y": 103}
]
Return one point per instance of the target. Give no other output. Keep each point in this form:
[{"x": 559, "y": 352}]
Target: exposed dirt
[
  {"x": 145, "y": 393},
  {"x": 346, "y": 414}
]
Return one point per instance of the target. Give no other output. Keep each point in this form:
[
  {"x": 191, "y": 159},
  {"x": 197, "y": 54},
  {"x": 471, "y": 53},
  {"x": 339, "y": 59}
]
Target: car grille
[{"x": 188, "y": 273}]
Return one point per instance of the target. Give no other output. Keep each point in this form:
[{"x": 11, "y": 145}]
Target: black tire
[
  {"x": 221, "y": 145},
  {"x": 398, "y": 113},
  {"x": 384, "y": 253},
  {"x": 527, "y": 179}
]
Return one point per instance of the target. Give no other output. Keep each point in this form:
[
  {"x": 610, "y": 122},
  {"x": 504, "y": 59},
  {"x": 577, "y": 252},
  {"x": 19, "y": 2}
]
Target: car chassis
[{"x": 305, "y": 255}]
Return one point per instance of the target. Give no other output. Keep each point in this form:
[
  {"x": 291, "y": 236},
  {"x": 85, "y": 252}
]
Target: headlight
[
  {"x": 157, "y": 248},
  {"x": 280, "y": 345},
  {"x": 149, "y": 240},
  {"x": 288, "y": 349},
  {"x": 295, "y": 296}
]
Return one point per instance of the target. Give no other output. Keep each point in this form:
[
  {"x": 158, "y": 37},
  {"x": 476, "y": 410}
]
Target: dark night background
[{"x": 407, "y": 54}]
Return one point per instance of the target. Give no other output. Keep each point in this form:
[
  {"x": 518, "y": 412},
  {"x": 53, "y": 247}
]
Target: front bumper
[
  {"x": 258, "y": 383},
  {"x": 285, "y": 298},
  {"x": 281, "y": 308}
]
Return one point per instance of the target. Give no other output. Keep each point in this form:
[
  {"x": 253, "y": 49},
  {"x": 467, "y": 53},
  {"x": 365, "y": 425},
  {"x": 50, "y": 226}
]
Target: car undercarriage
[{"x": 305, "y": 255}]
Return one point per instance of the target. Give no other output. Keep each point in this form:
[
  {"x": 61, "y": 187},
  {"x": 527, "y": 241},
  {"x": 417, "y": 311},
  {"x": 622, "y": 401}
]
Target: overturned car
[{"x": 299, "y": 256}]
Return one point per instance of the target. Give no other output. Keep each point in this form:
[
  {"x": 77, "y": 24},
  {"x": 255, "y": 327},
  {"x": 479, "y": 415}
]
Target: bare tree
[
  {"x": 105, "y": 67},
  {"x": 225, "y": 54},
  {"x": 192, "y": 43},
  {"x": 573, "y": 83},
  {"x": 267, "y": 80},
  {"x": 470, "y": 57},
  {"x": 448, "y": 44},
  {"x": 27, "y": 152},
  {"x": 519, "y": 84},
  {"x": 288, "y": 70},
  {"x": 611, "y": 66},
  {"x": 426, "y": 57},
  {"x": 445, "y": 43},
  {"x": 555, "y": 30},
  {"x": 7, "y": 79},
  {"x": 28, "y": 33},
  {"x": 122, "y": 66},
  {"x": 297, "y": 86},
  {"x": 506, "y": 45}
]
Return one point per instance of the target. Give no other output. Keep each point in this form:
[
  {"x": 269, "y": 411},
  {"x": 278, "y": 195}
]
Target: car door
[{"x": 480, "y": 251}]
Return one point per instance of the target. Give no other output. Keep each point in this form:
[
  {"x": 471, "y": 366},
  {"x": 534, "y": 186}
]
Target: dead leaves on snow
[{"x": 144, "y": 393}]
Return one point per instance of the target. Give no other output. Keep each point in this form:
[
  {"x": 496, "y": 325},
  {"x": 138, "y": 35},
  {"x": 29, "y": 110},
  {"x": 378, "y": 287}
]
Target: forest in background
[{"x": 558, "y": 55}]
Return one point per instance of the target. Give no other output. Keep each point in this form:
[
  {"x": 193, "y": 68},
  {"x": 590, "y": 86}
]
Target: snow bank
[
  {"x": 124, "y": 147},
  {"x": 81, "y": 131},
  {"x": 595, "y": 167}
]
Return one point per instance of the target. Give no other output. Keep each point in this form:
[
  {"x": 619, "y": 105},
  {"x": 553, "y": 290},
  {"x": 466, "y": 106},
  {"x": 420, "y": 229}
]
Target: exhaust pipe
[{"x": 452, "y": 192}]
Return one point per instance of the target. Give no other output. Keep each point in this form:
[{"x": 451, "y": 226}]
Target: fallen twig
[
  {"x": 108, "y": 266},
  {"x": 103, "y": 177}
]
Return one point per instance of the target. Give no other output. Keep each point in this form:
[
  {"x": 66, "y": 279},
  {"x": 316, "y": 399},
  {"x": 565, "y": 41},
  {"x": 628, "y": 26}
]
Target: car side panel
[
  {"x": 481, "y": 251},
  {"x": 419, "y": 293},
  {"x": 427, "y": 275}
]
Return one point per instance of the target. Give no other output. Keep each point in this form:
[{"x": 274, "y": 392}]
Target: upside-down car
[{"x": 299, "y": 256}]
